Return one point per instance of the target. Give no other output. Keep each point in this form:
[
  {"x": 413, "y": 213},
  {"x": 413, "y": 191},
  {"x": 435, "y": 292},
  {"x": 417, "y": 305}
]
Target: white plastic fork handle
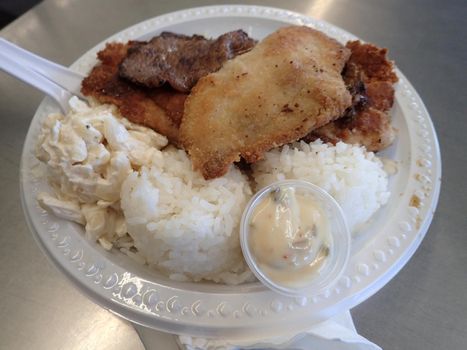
[
  {"x": 36, "y": 80},
  {"x": 60, "y": 75}
]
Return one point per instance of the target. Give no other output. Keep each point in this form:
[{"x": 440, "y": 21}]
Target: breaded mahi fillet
[
  {"x": 160, "y": 109},
  {"x": 286, "y": 86}
]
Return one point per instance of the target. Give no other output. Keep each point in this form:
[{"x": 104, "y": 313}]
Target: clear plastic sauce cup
[{"x": 282, "y": 250}]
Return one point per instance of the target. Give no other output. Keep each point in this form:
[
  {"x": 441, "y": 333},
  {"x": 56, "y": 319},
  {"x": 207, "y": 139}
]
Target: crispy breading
[
  {"x": 370, "y": 128},
  {"x": 368, "y": 123},
  {"x": 373, "y": 61},
  {"x": 286, "y": 86},
  {"x": 160, "y": 109}
]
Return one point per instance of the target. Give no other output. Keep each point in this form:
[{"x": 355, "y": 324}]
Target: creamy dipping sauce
[{"x": 289, "y": 236}]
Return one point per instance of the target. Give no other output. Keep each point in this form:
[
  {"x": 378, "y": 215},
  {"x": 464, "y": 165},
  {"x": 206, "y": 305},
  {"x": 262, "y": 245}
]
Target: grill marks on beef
[
  {"x": 369, "y": 76},
  {"x": 181, "y": 60}
]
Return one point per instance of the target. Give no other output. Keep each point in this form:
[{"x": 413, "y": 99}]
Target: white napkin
[{"x": 337, "y": 333}]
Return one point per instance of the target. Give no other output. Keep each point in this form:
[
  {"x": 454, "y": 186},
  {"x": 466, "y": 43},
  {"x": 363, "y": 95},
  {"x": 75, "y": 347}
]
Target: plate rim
[{"x": 222, "y": 319}]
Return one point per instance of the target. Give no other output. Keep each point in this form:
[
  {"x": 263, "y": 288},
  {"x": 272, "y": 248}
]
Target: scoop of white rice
[
  {"x": 353, "y": 176},
  {"x": 183, "y": 224},
  {"x": 115, "y": 178}
]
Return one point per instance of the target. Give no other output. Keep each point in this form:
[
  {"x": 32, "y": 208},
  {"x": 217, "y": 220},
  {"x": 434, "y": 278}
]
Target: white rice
[
  {"x": 353, "y": 176},
  {"x": 116, "y": 179},
  {"x": 184, "y": 225}
]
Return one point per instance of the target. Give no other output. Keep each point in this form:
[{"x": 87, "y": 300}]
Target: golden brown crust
[
  {"x": 370, "y": 125},
  {"x": 289, "y": 84},
  {"x": 159, "y": 109},
  {"x": 370, "y": 128},
  {"x": 380, "y": 95},
  {"x": 374, "y": 60}
]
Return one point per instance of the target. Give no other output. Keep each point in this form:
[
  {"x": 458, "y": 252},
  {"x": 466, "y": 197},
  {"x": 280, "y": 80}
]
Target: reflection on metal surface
[
  {"x": 27, "y": 27},
  {"x": 99, "y": 330},
  {"x": 63, "y": 3},
  {"x": 319, "y": 8}
]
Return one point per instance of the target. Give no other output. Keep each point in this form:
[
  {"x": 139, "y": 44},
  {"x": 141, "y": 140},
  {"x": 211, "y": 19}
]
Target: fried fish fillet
[
  {"x": 370, "y": 76},
  {"x": 287, "y": 85},
  {"x": 160, "y": 109}
]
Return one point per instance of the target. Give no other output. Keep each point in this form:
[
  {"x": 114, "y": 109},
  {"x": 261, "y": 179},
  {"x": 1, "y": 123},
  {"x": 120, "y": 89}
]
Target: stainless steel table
[{"x": 423, "y": 307}]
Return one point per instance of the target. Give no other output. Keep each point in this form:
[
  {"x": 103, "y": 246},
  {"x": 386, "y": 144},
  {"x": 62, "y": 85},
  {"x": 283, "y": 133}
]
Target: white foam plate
[{"x": 203, "y": 309}]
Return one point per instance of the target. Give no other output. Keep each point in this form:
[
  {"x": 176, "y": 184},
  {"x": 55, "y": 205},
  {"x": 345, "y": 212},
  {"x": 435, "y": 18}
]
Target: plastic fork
[{"x": 57, "y": 81}]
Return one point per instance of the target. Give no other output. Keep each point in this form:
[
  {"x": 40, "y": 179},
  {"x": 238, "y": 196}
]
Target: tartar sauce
[{"x": 289, "y": 236}]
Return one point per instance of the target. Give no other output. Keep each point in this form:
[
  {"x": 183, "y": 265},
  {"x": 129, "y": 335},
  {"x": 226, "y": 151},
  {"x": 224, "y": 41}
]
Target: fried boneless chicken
[
  {"x": 136, "y": 76},
  {"x": 159, "y": 109},
  {"x": 287, "y": 85},
  {"x": 370, "y": 76}
]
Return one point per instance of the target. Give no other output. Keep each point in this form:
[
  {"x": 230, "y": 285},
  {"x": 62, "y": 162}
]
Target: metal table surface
[{"x": 423, "y": 307}]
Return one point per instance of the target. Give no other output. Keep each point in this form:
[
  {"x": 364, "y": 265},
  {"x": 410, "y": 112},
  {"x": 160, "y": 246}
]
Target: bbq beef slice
[
  {"x": 181, "y": 60},
  {"x": 369, "y": 77}
]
